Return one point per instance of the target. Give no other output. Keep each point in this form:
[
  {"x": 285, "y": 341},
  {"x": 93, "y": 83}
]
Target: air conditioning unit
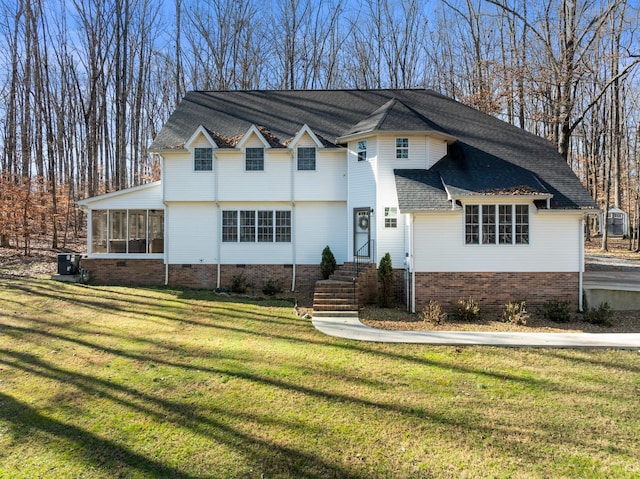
[{"x": 69, "y": 263}]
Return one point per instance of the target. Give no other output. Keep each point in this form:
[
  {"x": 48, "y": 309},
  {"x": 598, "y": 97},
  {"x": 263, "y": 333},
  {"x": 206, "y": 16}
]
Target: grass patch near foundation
[{"x": 103, "y": 382}]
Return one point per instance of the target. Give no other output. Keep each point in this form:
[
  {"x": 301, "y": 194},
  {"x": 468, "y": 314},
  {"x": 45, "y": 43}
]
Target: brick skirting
[
  {"x": 493, "y": 290},
  {"x": 139, "y": 272},
  {"x": 151, "y": 272}
]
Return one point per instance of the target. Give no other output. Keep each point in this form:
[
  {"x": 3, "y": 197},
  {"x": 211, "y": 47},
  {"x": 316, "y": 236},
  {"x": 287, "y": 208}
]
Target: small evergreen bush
[
  {"x": 467, "y": 310},
  {"x": 515, "y": 312},
  {"x": 385, "y": 277},
  {"x": 602, "y": 315},
  {"x": 328, "y": 263},
  {"x": 432, "y": 313},
  {"x": 239, "y": 284},
  {"x": 271, "y": 287},
  {"x": 557, "y": 311}
]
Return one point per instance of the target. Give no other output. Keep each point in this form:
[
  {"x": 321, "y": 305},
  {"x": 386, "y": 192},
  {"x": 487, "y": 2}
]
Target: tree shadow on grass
[
  {"x": 103, "y": 453},
  {"x": 109, "y": 455}
]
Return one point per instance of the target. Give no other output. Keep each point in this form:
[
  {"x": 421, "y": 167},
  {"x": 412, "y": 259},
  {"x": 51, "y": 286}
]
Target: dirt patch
[
  {"x": 617, "y": 247},
  {"x": 42, "y": 260}
]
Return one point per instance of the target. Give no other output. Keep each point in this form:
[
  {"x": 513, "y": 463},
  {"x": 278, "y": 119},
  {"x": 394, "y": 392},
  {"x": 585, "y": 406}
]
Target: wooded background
[{"x": 86, "y": 84}]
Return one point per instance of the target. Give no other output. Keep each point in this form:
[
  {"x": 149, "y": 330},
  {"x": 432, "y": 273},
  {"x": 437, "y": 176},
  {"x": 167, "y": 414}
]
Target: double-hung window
[
  {"x": 254, "y": 159},
  {"x": 265, "y": 226},
  {"x": 402, "y": 148},
  {"x": 362, "y": 150},
  {"x": 229, "y": 226},
  {"x": 203, "y": 159},
  {"x": 390, "y": 217},
  {"x": 247, "y": 226},
  {"x": 283, "y": 226},
  {"x": 496, "y": 224},
  {"x": 306, "y": 158}
]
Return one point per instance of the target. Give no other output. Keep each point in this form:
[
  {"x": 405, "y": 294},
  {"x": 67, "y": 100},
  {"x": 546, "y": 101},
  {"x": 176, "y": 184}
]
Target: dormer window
[
  {"x": 203, "y": 159},
  {"x": 306, "y": 159},
  {"x": 254, "y": 159},
  {"x": 362, "y": 150},
  {"x": 402, "y": 148}
]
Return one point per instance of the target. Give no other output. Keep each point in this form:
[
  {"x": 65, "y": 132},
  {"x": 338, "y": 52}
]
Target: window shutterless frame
[
  {"x": 203, "y": 159},
  {"x": 502, "y": 224},
  {"x": 254, "y": 159},
  {"x": 256, "y": 226}
]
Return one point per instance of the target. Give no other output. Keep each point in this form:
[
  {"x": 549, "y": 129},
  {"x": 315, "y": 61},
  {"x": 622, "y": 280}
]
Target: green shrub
[
  {"x": 557, "y": 311},
  {"x": 515, "y": 312},
  {"x": 432, "y": 313},
  {"x": 328, "y": 263},
  {"x": 271, "y": 287},
  {"x": 602, "y": 315},
  {"x": 385, "y": 277},
  {"x": 467, "y": 310},
  {"x": 239, "y": 284}
]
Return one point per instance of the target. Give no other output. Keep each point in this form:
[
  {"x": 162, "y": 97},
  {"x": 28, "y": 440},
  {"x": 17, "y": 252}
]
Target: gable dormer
[
  {"x": 201, "y": 145},
  {"x": 305, "y": 146},
  {"x": 253, "y": 138},
  {"x": 253, "y": 145}
]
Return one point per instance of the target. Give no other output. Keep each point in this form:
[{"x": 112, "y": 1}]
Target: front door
[{"x": 361, "y": 233}]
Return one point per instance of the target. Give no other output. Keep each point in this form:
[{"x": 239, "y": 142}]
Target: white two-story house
[{"x": 257, "y": 183}]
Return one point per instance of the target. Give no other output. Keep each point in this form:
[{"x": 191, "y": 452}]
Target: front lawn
[{"x": 103, "y": 382}]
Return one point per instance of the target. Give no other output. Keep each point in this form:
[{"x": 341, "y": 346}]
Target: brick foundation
[
  {"x": 151, "y": 272},
  {"x": 493, "y": 290},
  {"x": 197, "y": 276},
  {"x": 140, "y": 272},
  {"x": 256, "y": 275}
]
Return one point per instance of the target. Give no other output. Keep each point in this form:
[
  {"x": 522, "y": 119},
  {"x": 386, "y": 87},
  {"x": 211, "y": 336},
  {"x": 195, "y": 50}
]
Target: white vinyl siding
[
  {"x": 362, "y": 187},
  {"x": 140, "y": 197},
  {"x": 553, "y": 239},
  {"x": 318, "y": 224},
  {"x": 237, "y": 185},
  {"x": 182, "y": 182},
  {"x": 327, "y": 183},
  {"x": 191, "y": 233}
]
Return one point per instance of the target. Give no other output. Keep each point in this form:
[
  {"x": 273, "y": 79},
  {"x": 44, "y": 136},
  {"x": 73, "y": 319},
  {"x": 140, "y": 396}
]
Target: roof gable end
[
  {"x": 253, "y": 130},
  {"x": 201, "y": 130},
  {"x": 308, "y": 131}
]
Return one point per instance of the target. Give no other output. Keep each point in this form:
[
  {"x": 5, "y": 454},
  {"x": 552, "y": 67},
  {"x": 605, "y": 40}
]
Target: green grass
[{"x": 103, "y": 382}]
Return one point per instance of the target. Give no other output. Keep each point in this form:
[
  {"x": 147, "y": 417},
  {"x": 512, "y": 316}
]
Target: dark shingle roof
[
  {"x": 486, "y": 149},
  {"x": 395, "y": 116},
  {"x": 420, "y": 190}
]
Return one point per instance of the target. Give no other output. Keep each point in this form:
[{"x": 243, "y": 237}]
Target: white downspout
[
  {"x": 581, "y": 266},
  {"x": 166, "y": 246},
  {"x": 219, "y": 213},
  {"x": 165, "y": 238},
  {"x": 413, "y": 272},
  {"x": 293, "y": 222}
]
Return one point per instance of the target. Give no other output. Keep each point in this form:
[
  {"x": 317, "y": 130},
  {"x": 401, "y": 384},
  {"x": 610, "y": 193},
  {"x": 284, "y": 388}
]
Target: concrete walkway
[{"x": 352, "y": 328}]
